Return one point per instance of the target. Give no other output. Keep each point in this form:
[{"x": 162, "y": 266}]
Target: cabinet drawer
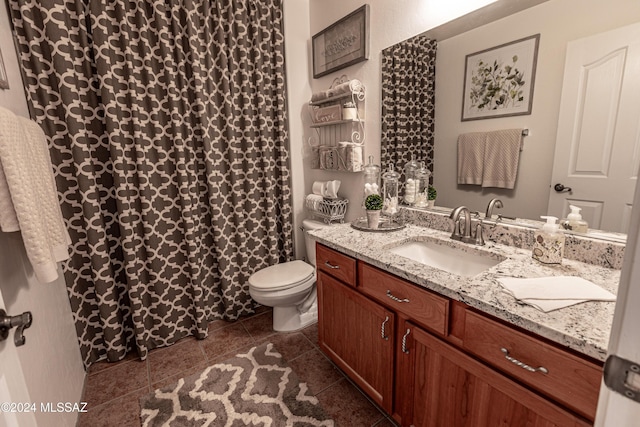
[
  {"x": 423, "y": 307},
  {"x": 335, "y": 264},
  {"x": 570, "y": 380}
]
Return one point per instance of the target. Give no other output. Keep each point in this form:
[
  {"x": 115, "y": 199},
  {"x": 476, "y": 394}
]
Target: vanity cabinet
[
  {"x": 358, "y": 335},
  {"x": 355, "y": 332},
  {"x": 567, "y": 378},
  {"x": 445, "y": 387},
  {"x": 431, "y": 361}
]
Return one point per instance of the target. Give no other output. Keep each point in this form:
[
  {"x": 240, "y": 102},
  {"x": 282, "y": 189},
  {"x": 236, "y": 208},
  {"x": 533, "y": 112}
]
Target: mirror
[{"x": 558, "y": 22}]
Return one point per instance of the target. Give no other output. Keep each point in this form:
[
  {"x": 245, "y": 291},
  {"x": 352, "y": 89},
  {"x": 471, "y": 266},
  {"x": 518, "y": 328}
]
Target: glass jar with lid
[
  {"x": 390, "y": 183},
  {"x": 422, "y": 177},
  {"x": 371, "y": 178},
  {"x": 410, "y": 185}
]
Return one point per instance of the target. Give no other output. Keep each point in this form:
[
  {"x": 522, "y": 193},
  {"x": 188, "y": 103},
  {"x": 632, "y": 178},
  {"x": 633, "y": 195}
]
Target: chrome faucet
[
  {"x": 469, "y": 231},
  {"x": 493, "y": 203},
  {"x": 461, "y": 231}
]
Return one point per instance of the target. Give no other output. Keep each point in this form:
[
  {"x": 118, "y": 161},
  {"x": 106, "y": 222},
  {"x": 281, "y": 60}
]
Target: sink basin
[{"x": 453, "y": 260}]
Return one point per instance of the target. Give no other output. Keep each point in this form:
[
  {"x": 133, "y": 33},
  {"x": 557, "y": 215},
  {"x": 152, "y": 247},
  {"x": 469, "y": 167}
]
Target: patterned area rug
[{"x": 257, "y": 388}]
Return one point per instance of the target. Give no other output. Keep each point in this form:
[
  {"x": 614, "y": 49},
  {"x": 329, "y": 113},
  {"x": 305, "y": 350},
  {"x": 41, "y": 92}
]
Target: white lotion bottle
[
  {"x": 548, "y": 245},
  {"x": 574, "y": 221}
]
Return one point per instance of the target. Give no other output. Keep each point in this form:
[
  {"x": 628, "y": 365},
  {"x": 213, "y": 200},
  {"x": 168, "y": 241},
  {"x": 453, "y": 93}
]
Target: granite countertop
[{"x": 583, "y": 327}]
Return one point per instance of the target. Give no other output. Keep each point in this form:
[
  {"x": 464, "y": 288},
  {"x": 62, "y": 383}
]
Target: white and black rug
[{"x": 256, "y": 388}]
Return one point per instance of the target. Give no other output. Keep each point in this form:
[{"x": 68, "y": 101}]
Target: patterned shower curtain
[
  {"x": 408, "y": 102},
  {"x": 168, "y": 132}
]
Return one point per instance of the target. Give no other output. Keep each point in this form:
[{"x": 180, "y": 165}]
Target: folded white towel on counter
[
  {"x": 555, "y": 292},
  {"x": 33, "y": 208}
]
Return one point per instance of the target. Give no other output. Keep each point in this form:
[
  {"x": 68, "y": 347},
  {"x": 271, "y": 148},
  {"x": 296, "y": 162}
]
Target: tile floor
[{"x": 112, "y": 390}]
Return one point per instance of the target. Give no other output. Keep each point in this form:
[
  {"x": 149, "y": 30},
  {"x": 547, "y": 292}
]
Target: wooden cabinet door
[
  {"x": 447, "y": 388},
  {"x": 358, "y": 335}
]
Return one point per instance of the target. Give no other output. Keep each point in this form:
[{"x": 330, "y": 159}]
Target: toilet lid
[{"x": 281, "y": 276}]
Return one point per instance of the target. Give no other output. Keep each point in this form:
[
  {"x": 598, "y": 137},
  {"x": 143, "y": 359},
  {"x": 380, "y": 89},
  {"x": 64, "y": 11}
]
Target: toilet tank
[{"x": 307, "y": 225}]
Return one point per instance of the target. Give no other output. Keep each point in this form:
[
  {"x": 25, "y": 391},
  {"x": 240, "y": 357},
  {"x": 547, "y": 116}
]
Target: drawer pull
[
  {"x": 404, "y": 341},
  {"x": 521, "y": 364},
  {"x": 382, "y": 331},
  {"x": 328, "y": 264},
  {"x": 395, "y": 298}
]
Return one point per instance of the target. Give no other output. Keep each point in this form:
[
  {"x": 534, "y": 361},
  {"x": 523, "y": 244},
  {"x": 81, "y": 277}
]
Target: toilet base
[{"x": 289, "y": 319}]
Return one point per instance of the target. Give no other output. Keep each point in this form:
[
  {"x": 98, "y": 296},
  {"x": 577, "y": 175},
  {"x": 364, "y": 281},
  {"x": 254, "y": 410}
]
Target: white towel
[
  {"x": 501, "y": 158},
  {"x": 471, "y": 148},
  {"x": 27, "y": 176},
  {"x": 552, "y": 293}
]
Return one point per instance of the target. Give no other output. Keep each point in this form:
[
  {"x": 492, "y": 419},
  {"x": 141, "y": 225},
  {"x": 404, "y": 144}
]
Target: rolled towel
[
  {"x": 312, "y": 201},
  {"x": 319, "y": 188},
  {"x": 319, "y": 96},
  {"x": 346, "y": 87}
]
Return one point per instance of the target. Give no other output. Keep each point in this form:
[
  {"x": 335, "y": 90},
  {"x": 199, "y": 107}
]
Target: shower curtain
[
  {"x": 408, "y": 102},
  {"x": 168, "y": 133}
]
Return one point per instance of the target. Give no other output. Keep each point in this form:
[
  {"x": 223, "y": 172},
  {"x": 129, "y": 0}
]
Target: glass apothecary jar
[
  {"x": 422, "y": 177},
  {"x": 410, "y": 185},
  {"x": 371, "y": 178},
  {"x": 390, "y": 183}
]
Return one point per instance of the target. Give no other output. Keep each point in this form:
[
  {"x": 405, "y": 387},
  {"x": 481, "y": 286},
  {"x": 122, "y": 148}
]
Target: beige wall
[
  {"x": 558, "y": 22},
  {"x": 50, "y": 360}
]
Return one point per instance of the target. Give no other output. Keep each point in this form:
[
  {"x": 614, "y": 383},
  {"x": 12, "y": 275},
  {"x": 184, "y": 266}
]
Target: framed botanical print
[{"x": 499, "y": 81}]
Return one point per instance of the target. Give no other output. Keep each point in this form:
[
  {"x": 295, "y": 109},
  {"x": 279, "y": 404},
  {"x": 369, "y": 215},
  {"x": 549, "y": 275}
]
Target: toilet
[{"x": 290, "y": 287}]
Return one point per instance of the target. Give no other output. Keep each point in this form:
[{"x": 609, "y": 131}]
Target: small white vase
[
  {"x": 373, "y": 219},
  {"x": 431, "y": 203}
]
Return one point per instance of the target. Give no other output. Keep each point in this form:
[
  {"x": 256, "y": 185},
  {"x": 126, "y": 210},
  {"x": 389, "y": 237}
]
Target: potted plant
[
  {"x": 373, "y": 204},
  {"x": 431, "y": 195}
]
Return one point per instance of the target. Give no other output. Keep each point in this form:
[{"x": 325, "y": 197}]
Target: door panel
[{"x": 598, "y": 139}]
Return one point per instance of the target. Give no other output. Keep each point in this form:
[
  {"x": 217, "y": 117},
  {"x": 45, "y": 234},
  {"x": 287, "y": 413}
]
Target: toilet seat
[{"x": 282, "y": 276}]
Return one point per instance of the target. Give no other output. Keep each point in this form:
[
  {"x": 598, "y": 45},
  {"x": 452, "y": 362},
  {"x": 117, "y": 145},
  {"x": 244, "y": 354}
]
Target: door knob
[
  {"x": 561, "y": 188},
  {"x": 21, "y": 322}
]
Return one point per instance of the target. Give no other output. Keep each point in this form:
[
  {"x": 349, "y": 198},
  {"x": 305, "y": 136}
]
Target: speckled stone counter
[{"x": 583, "y": 327}]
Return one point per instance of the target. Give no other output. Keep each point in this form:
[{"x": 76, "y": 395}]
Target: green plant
[
  {"x": 373, "y": 202},
  {"x": 432, "y": 193}
]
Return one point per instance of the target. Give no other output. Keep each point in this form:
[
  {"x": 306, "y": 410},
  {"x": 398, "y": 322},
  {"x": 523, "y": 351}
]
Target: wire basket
[{"x": 328, "y": 209}]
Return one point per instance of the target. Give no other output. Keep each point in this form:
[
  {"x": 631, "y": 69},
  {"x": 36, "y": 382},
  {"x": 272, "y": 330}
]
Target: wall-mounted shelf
[{"x": 337, "y": 115}]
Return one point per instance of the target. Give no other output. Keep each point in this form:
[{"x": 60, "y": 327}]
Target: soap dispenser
[
  {"x": 548, "y": 245},
  {"x": 574, "y": 221}
]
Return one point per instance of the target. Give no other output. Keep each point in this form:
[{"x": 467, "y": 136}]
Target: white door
[
  {"x": 13, "y": 388},
  {"x": 614, "y": 409},
  {"x": 597, "y": 151}
]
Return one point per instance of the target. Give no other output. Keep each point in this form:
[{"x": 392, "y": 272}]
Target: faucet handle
[{"x": 479, "y": 237}]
